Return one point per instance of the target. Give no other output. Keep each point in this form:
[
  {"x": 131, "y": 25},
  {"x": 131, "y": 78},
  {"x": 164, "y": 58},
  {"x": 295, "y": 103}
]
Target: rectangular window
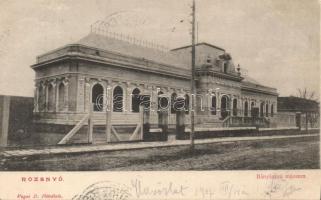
[{"x": 225, "y": 66}]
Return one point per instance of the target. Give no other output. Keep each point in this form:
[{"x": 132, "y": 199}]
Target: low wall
[
  {"x": 245, "y": 131},
  {"x": 155, "y": 134},
  {"x": 52, "y": 128},
  {"x": 280, "y": 131},
  {"x": 313, "y": 120},
  {"x": 283, "y": 119},
  {"x": 289, "y": 119}
]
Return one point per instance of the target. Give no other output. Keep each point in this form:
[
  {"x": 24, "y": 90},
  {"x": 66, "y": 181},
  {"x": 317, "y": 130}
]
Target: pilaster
[{"x": 81, "y": 94}]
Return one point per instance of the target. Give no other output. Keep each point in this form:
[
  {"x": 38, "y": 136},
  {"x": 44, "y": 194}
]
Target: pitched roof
[
  {"x": 297, "y": 104},
  {"x": 130, "y": 49}
]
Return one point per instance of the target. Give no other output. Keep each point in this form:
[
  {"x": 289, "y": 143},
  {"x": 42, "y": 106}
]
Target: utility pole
[{"x": 193, "y": 89}]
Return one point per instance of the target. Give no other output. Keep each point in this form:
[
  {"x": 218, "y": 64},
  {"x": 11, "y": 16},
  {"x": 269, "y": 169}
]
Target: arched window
[
  {"x": 61, "y": 97},
  {"x": 246, "y": 109},
  {"x": 224, "y": 106},
  {"x": 97, "y": 97},
  {"x": 144, "y": 100},
  {"x": 173, "y": 101},
  {"x": 162, "y": 101},
  {"x": 41, "y": 98},
  {"x": 135, "y": 100},
  {"x": 272, "y": 111},
  {"x": 235, "y": 107},
  {"x": 118, "y": 98},
  {"x": 213, "y": 105},
  {"x": 51, "y": 98},
  {"x": 187, "y": 104},
  {"x": 179, "y": 104},
  {"x": 267, "y": 110},
  {"x": 261, "y": 109}
]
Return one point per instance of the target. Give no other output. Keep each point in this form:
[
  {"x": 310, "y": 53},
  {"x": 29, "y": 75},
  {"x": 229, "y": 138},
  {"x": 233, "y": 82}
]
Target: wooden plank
[
  {"x": 74, "y": 130},
  {"x": 134, "y": 135},
  {"x": 141, "y": 116},
  {"x": 115, "y": 133}
]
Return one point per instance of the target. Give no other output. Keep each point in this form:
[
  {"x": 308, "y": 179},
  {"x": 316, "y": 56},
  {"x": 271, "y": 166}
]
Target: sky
[{"x": 276, "y": 42}]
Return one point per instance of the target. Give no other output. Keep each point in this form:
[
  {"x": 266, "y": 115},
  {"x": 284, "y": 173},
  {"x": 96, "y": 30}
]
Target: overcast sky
[{"x": 276, "y": 41}]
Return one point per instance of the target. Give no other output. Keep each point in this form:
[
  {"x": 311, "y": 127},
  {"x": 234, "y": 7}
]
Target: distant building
[
  {"x": 296, "y": 104},
  {"x": 74, "y": 78},
  {"x": 304, "y": 107}
]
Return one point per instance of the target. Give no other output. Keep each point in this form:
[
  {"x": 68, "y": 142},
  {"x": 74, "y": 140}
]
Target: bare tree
[{"x": 306, "y": 94}]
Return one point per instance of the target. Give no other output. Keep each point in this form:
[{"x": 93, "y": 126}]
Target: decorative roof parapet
[
  {"x": 99, "y": 55},
  {"x": 258, "y": 88}
]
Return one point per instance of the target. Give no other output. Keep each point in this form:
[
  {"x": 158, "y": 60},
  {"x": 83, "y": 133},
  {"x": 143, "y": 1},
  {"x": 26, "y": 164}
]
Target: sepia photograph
[{"x": 159, "y": 85}]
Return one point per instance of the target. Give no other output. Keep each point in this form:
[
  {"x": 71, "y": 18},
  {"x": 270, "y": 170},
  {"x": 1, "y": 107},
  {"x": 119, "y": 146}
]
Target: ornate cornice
[{"x": 213, "y": 73}]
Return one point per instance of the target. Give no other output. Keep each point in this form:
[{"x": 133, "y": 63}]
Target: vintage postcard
[{"x": 160, "y": 99}]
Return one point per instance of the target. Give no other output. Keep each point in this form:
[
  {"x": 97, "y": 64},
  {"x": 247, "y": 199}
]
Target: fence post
[
  {"x": 180, "y": 124},
  {"x": 90, "y": 124},
  {"x": 145, "y": 122},
  {"x": 298, "y": 120},
  {"x": 4, "y": 120},
  {"x": 163, "y": 124},
  {"x": 306, "y": 122}
]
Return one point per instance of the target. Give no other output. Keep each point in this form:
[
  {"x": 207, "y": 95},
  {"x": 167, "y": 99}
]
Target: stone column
[
  {"x": 66, "y": 93},
  {"x": 242, "y": 100},
  {"x": 231, "y": 104},
  {"x": 109, "y": 96},
  {"x": 80, "y": 95},
  {"x": 163, "y": 124},
  {"x": 41, "y": 97},
  {"x": 54, "y": 87},
  {"x": 208, "y": 105},
  {"x": 239, "y": 106},
  {"x": 153, "y": 104},
  {"x": 36, "y": 98},
  {"x": 46, "y": 97},
  {"x": 218, "y": 104},
  {"x": 57, "y": 95},
  {"x": 88, "y": 103},
  {"x": 125, "y": 97},
  {"x": 105, "y": 87},
  {"x": 129, "y": 98},
  {"x": 180, "y": 124}
]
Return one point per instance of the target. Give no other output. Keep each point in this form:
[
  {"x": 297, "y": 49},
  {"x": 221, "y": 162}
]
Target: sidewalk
[{"x": 131, "y": 146}]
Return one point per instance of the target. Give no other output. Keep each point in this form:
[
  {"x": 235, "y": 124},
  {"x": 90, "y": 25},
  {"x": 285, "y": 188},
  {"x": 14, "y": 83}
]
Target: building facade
[
  {"x": 98, "y": 70},
  {"x": 305, "y": 111}
]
